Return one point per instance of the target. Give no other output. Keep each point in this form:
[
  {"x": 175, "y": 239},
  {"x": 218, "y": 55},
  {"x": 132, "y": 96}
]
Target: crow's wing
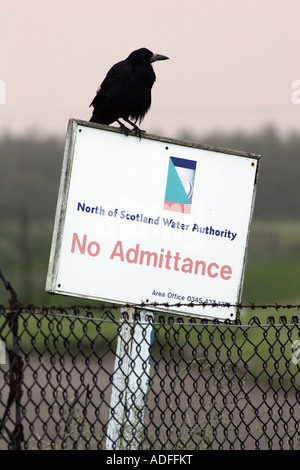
[{"x": 112, "y": 82}]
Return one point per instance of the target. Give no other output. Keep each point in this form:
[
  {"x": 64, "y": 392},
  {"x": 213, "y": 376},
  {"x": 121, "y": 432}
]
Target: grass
[
  {"x": 273, "y": 267},
  {"x": 272, "y": 280},
  {"x": 263, "y": 350}
]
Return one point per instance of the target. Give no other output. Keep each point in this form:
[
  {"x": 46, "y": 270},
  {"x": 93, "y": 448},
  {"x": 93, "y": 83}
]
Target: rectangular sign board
[{"x": 151, "y": 220}]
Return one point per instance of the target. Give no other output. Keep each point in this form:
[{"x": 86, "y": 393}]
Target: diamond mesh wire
[{"x": 210, "y": 385}]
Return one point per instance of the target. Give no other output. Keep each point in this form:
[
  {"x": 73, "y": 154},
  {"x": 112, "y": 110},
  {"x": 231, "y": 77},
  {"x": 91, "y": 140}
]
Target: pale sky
[{"x": 232, "y": 62}]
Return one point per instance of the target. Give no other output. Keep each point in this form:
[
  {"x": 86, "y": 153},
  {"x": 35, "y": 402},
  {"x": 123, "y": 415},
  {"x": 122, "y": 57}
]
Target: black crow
[{"x": 126, "y": 91}]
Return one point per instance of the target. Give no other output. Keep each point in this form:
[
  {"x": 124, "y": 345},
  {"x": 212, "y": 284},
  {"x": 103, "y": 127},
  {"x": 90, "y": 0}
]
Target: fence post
[
  {"x": 15, "y": 370},
  {"x": 130, "y": 380}
]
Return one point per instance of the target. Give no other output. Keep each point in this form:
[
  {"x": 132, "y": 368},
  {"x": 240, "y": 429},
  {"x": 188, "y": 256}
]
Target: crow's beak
[{"x": 156, "y": 57}]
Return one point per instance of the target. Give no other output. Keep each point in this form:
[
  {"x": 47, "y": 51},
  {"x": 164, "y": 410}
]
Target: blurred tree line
[
  {"x": 30, "y": 168},
  {"x": 278, "y": 192}
]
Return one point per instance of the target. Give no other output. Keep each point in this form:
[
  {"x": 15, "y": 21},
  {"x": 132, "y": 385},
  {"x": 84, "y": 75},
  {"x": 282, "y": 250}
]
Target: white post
[{"x": 130, "y": 380}]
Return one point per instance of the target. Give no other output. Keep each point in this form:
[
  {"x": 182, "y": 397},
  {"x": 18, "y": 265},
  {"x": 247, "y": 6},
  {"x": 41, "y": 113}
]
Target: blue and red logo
[{"x": 180, "y": 185}]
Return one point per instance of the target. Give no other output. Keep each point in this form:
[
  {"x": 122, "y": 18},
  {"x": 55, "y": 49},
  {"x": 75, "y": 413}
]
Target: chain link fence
[{"x": 210, "y": 385}]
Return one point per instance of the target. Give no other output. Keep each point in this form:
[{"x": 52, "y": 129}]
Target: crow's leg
[
  {"x": 125, "y": 130},
  {"x": 136, "y": 129}
]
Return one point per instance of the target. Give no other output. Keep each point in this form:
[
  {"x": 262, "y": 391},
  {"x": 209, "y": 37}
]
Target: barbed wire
[
  {"x": 106, "y": 308},
  {"x": 86, "y": 313},
  {"x": 157, "y": 305}
]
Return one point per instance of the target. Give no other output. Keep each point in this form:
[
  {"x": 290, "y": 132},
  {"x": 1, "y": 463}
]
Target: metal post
[{"x": 130, "y": 380}]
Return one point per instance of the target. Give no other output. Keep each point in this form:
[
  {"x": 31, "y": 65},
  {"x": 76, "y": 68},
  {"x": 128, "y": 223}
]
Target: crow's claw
[
  {"x": 125, "y": 130},
  {"x": 137, "y": 131}
]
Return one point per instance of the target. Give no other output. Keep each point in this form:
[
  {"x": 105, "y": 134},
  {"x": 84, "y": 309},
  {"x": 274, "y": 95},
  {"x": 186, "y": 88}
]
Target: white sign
[{"x": 151, "y": 220}]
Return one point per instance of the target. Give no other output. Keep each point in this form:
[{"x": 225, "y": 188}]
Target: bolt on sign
[{"x": 152, "y": 220}]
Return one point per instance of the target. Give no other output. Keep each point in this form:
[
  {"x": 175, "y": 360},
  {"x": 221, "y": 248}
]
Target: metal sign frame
[{"x": 176, "y": 170}]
